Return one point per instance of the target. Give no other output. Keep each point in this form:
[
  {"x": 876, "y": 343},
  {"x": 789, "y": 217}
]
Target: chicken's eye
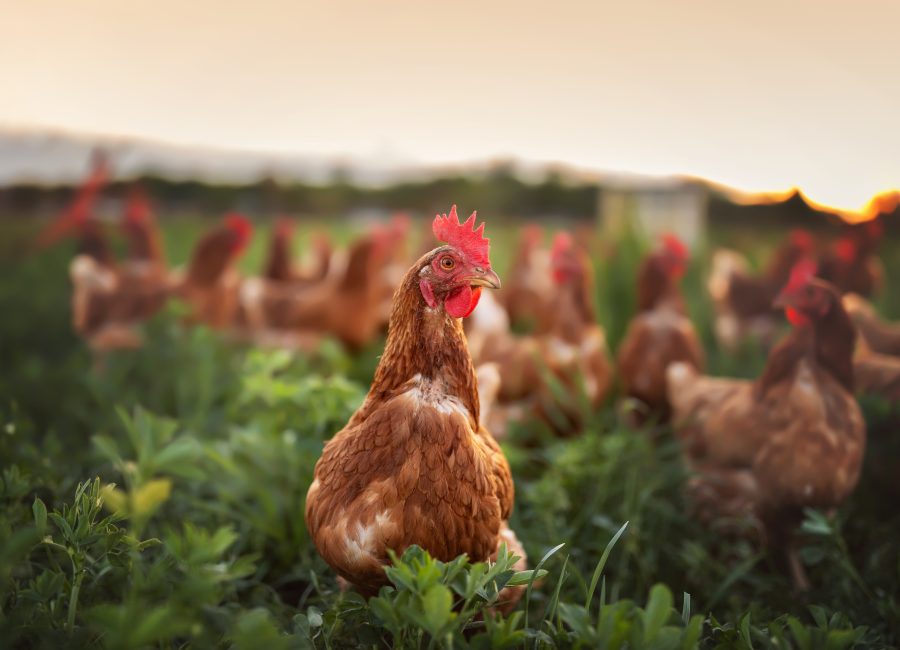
[{"x": 447, "y": 263}]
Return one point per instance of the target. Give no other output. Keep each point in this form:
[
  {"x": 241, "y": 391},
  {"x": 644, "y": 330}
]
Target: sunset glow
[{"x": 760, "y": 96}]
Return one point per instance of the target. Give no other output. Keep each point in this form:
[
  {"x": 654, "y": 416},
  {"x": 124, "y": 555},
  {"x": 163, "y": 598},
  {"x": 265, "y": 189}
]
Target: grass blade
[
  {"x": 602, "y": 564},
  {"x": 537, "y": 568}
]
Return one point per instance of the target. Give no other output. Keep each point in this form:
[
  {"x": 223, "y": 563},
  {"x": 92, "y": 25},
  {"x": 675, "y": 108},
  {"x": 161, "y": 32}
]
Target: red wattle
[
  {"x": 795, "y": 317},
  {"x": 462, "y": 301}
]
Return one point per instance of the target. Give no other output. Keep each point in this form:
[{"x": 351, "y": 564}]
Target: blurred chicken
[
  {"x": 574, "y": 349},
  {"x": 346, "y": 304},
  {"x": 879, "y": 336},
  {"x": 413, "y": 465},
  {"x": 794, "y": 438},
  {"x": 279, "y": 264},
  {"x": 210, "y": 283},
  {"x": 571, "y": 352},
  {"x": 661, "y": 333},
  {"x": 529, "y": 291},
  {"x": 743, "y": 302},
  {"x": 396, "y": 262},
  {"x": 109, "y": 298},
  {"x": 852, "y": 265},
  {"x": 877, "y": 374},
  {"x": 145, "y": 248},
  {"x": 876, "y": 364}
]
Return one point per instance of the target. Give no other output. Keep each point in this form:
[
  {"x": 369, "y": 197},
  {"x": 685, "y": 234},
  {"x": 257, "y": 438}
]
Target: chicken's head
[
  {"x": 801, "y": 240},
  {"x": 805, "y": 298},
  {"x": 241, "y": 231},
  {"x": 453, "y": 276},
  {"x": 674, "y": 256},
  {"x": 138, "y": 212},
  {"x": 846, "y": 250},
  {"x": 565, "y": 259}
]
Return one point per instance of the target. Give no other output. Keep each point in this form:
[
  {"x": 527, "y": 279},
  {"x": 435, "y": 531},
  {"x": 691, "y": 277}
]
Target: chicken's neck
[
  {"x": 211, "y": 258},
  {"x": 828, "y": 343},
  {"x": 573, "y": 311},
  {"x": 93, "y": 243},
  {"x": 278, "y": 265},
  {"x": 425, "y": 344},
  {"x": 144, "y": 244},
  {"x": 657, "y": 288}
]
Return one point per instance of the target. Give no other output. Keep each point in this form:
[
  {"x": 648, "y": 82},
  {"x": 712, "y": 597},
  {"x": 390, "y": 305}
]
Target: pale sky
[{"x": 760, "y": 95}]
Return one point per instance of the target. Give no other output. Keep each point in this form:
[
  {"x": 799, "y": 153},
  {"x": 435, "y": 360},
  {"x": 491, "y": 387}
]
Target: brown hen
[
  {"x": 880, "y": 336},
  {"x": 795, "y": 436},
  {"x": 413, "y": 465},
  {"x": 346, "y": 304},
  {"x": 660, "y": 334},
  {"x": 210, "y": 284}
]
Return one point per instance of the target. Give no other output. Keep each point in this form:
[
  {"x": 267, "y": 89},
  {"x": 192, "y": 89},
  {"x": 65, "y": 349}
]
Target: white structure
[{"x": 654, "y": 207}]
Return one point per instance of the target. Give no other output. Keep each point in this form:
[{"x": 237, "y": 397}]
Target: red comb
[
  {"x": 241, "y": 227},
  {"x": 79, "y": 212},
  {"x": 463, "y": 236},
  {"x": 675, "y": 246},
  {"x": 802, "y": 272},
  {"x": 801, "y": 239},
  {"x": 845, "y": 249}
]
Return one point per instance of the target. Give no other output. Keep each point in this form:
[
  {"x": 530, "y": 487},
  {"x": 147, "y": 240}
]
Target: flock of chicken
[{"x": 416, "y": 463}]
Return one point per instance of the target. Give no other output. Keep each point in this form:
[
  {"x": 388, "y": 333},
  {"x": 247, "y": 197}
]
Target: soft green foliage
[{"x": 156, "y": 500}]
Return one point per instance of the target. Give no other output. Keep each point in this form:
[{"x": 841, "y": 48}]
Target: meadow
[{"x": 156, "y": 501}]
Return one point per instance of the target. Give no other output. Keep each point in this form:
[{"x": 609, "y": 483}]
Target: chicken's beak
[{"x": 485, "y": 278}]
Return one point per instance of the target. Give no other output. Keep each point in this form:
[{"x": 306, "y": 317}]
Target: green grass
[{"x": 159, "y": 503}]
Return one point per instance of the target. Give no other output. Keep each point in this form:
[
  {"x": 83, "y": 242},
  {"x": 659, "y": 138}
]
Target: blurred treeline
[{"x": 498, "y": 191}]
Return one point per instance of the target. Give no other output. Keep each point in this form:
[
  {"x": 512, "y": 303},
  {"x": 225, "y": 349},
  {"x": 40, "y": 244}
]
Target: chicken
[
  {"x": 851, "y": 265},
  {"x": 879, "y": 336},
  {"x": 108, "y": 303},
  {"x": 279, "y": 266},
  {"x": 743, "y": 302},
  {"x": 345, "y": 305},
  {"x": 145, "y": 247},
  {"x": 574, "y": 348},
  {"x": 877, "y": 374},
  {"x": 108, "y": 297},
  {"x": 210, "y": 284},
  {"x": 794, "y": 438},
  {"x": 660, "y": 334},
  {"x": 413, "y": 465},
  {"x": 529, "y": 291},
  {"x": 571, "y": 350},
  {"x": 876, "y": 364}
]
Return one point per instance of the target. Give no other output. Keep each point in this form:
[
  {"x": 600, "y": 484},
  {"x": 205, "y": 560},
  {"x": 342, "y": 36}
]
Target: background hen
[
  {"x": 661, "y": 332},
  {"x": 797, "y": 431}
]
